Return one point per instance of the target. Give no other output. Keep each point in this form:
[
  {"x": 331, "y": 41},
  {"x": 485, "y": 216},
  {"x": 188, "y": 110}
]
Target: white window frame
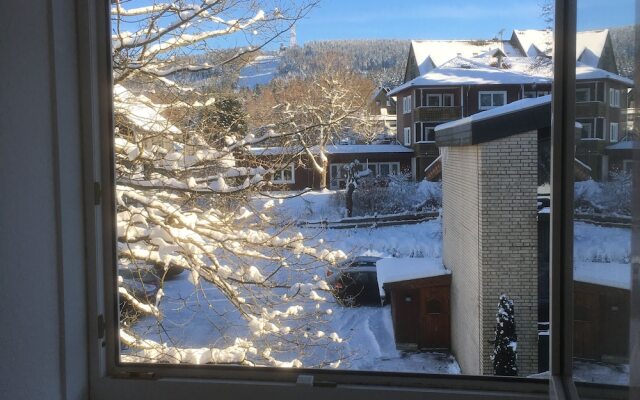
[
  {"x": 585, "y": 90},
  {"x": 492, "y": 93},
  {"x": 407, "y": 136},
  {"x": 614, "y": 97},
  {"x": 229, "y": 384},
  {"x": 614, "y": 132},
  {"x": 420, "y": 133},
  {"x": 279, "y": 177},
  {"x": 406, "y": 104},
  {"x": 434, "y": 96},
  {"x": 448, "y": 96}
]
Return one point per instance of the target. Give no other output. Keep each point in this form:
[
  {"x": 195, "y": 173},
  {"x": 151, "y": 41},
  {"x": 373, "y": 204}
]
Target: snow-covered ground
[{"x": 193, "y": 318}]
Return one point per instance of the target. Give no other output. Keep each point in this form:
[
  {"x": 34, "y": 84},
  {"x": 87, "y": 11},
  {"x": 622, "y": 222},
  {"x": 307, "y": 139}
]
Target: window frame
[
  {"x": 614, "y": 97},
  {"x": 109, "y": 380},
  {"x": 435, "y": 96},
  {"x": 585, "y": 90},
  {"x": 282, "y": 179},
  {"x": 406, "y": 104},
  {"x": 421, "y": 132},
  {"x": 615, "y": 125},
  {"x": 491, "y": 93},
  {"x": 407, "y": 135}
]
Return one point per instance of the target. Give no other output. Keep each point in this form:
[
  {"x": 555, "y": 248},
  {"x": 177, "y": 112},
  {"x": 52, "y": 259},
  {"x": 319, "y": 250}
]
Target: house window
[
  {"x": 407, "y": 136},
  {"x": 592, "y": 128},
  {"x": 425, "y": 133},
  {"x": 627, "y": 166},
  {"x": 614, "y": 97},
  {"x": 406, "y": 104},
  {"x": 434, "y": 100},
  {"x": 488, "y": 100},
  {"x": 613, "y": 132},
  {"x": 587, "y": 130},
  {"x": 286, "y": 175},
  {"x": 447, "y": 100},
  {"x": 583, "y": 95}
]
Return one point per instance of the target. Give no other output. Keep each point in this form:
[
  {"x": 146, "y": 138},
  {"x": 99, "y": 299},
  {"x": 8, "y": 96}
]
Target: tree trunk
[{"x": 350, "y": 199}]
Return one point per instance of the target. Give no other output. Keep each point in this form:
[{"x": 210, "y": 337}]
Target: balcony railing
[
  {"x": 423, "y": 114},
  {"x": 590, "y": 109}
]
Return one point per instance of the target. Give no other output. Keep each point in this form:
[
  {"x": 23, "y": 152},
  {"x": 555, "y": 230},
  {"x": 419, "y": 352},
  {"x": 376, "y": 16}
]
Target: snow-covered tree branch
[{"x": 186, "y": 181}]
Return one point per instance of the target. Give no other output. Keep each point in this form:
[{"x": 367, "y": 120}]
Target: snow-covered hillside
[{"x": 260, "y": 71}]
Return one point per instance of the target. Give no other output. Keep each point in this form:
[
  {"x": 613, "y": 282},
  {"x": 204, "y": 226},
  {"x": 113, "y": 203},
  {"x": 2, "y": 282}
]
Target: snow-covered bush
[
  {"x": 391, "y": 194},
  {"x": 505, "y": 344},
  {"x": 612, "y": 197}
]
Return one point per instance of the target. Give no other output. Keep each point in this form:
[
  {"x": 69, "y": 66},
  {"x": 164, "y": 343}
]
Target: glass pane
[
  {"x": 485, "y": 100},
  {"x": 603, "y": 192},
  {"x": 384, "y": 169},
  {"x": 218, "y": 266}
]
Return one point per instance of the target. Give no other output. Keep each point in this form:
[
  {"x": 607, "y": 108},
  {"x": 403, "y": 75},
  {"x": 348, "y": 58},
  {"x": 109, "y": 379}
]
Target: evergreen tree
[{"x": 504, "y": 355}]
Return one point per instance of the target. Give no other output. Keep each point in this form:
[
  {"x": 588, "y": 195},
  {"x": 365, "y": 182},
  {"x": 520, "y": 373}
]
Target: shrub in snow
[
  {"x": 505, "y": 344},
  {"x": 385, "y": 195},
  {"x": 612, "y": 197}
]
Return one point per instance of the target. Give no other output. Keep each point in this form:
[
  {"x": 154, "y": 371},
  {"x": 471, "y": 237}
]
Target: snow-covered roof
[
  {"x": 463, "y": 71},
  {"x": 625, "y": 145},
  {"x": 333, "y": 149},
  {"x": 589, "y": 44},
  {"x": 405, "y": 269},
  {"x": 368, "y": 148},
  {"x": 586, "y": 72},
  {"x": 141, "y": 111},
  {"x": 606, "y": 274},
  {"x": 494, "y": 112},
  {"x": 430, "y": 53}
]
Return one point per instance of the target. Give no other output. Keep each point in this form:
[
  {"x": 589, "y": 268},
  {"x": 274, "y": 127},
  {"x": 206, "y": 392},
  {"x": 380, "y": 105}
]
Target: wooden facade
[
  {"x": 421, "y": 313},
  {"x": 601, "y": 316}
]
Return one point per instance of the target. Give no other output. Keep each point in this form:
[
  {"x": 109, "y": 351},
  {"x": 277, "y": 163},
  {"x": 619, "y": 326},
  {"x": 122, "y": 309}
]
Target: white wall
[{"x": 41, "y": 248}]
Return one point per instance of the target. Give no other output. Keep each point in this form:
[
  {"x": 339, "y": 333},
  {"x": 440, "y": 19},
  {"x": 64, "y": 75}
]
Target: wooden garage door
[{"x": 434, "y": 320}]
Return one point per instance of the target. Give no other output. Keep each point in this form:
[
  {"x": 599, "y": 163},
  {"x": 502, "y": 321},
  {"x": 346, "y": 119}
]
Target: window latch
[
  {"x": 97, "y": 193},
  {"x": 101, "y": 326}
]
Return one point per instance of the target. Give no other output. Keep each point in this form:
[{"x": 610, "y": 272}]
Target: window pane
[
  {"x": 498, "y": 99},
  {"x": 221, "y": 266},
  {"x": 485, "y": 100},
  {"x": 602, "y": 249}
]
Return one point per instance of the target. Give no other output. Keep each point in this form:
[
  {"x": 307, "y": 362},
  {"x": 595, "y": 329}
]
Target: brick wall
[
  {"x": 490, "y": 244},
  {"x": 509, "y": 242},
  {"x": 460, "y": 197}
]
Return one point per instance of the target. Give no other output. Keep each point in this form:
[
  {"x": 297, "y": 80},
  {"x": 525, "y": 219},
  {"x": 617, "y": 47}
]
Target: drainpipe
[{"x": 462, "y": 100}]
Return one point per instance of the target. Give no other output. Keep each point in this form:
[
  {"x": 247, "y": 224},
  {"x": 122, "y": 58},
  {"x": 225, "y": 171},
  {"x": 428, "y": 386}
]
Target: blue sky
[{"x": 446, "y": 19}]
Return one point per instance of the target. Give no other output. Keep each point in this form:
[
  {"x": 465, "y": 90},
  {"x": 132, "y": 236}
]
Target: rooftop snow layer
[
  {"x": 461, "y": 71},
  {"x": 589, "y": 44},
  {"x": 625, "y": 145},
  {"x": 494, "y": 112},
  {"x": 405, "y": 269},
  {"x": 605, "y": 274},
  {"x": 334, "y": 149},
  {"x": 430, "y": 53},
  {"x": 368, "y": 148}
]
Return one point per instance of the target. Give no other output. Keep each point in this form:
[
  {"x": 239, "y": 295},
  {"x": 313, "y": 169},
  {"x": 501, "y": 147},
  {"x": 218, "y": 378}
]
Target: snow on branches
[{"x": 185, "y": 182}]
